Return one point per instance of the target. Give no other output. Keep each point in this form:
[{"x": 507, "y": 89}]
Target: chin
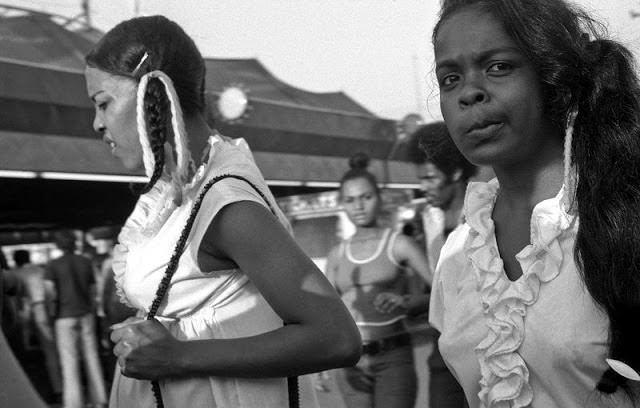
[{"x": 132, "y": 164}]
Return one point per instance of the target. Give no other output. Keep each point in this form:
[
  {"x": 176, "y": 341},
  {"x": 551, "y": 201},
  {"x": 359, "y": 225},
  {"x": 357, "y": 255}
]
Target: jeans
[
  {"x": 76, "y": 340},
  {"x": 384, "y": 380}
]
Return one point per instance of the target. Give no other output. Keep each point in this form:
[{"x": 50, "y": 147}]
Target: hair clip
[
  {"x": 623, "y": 369},
  {"x": 142, "y": 60}
]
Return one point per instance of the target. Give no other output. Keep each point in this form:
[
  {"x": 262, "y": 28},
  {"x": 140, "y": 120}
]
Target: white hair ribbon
[
  {"x": 623, "y": 369},
  {"x": 185, "y": 165}
]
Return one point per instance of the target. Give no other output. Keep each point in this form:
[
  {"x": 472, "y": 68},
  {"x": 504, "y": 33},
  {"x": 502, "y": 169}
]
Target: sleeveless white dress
[{"x": 199, "y": 304}]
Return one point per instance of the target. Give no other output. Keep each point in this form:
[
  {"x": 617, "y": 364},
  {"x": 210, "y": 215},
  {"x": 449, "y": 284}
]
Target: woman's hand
[
  {"x": 144, "y": 349},
  {"x": 388, "y": 302}
]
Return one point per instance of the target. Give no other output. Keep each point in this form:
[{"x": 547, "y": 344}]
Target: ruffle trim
[
  {"x": 154, "y": 208},
  {"x": 505, "y": 376}
]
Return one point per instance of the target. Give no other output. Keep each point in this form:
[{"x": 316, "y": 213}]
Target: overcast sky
[{"x": 377, "y": 51}]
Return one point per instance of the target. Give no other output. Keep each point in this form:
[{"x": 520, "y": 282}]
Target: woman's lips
[
  {"x": 484, "y": 129},
  {"x": 110, "y": 142}
]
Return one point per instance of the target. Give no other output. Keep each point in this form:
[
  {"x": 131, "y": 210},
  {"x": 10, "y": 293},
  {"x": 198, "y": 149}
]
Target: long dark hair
[
  {"x": 582, "y": 71},
  {"x": 169, "y": 49}
]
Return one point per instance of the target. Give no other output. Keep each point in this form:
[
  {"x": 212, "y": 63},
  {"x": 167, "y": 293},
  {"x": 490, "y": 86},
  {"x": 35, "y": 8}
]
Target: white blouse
[{"x": 539, "y": 341}]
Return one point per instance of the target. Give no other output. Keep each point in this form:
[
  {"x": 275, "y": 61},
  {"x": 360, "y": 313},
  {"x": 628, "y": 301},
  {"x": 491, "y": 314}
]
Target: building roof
[{"x": 46, "y": 123}]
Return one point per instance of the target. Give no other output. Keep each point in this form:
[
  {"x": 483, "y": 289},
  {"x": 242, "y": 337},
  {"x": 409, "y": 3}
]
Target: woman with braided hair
[{"x": 205, "y": 255}]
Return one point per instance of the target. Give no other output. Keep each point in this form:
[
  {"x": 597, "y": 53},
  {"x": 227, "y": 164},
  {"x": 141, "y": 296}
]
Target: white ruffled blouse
[{"x": 539, "y": 341}]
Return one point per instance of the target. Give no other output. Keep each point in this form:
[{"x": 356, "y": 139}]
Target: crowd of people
[
  {"x": 57, "y": 312},
  {"x": 530, "y": 280}
]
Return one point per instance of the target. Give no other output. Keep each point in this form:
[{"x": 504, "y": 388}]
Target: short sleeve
[{"x": 223, "y": 193}]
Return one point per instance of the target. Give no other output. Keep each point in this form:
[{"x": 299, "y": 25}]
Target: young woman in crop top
[{"x": 380, "y": 276}]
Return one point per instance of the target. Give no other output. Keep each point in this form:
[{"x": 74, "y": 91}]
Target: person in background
[
  {"x": 15, "y": 388},
  {"x": 12, "y": 290},
  {"x": 70, "y": 280},
  {"x": 114, "y": 311},
  {"x": 32, "y": 277},
  {"x": 537, "y": 295},
  {"x": 241, "y": 307},
  {"x": 380, "y": 275},
  {"x": 443, "y": 173}
]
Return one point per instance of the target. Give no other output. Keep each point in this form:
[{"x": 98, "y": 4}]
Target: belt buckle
[{"x": 371, "y": 348}]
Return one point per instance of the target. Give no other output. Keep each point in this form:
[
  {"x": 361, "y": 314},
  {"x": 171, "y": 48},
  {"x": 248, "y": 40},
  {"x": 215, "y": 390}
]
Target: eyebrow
[
  {"x": 93, "y": 97},
  {"x": 481, "y": 56}
]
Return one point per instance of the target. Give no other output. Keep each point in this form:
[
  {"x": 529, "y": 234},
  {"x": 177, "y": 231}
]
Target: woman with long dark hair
[{"x": 537, "y": 296}]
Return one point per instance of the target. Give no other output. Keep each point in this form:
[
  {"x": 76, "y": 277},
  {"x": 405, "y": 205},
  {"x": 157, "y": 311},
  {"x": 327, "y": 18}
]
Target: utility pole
[
  {"x": 86, "y": 12},
  {"x": 136, "y": 8}
]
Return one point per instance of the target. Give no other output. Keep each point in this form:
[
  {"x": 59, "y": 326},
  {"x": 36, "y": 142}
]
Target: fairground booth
[{"x": 55, "y": 171}]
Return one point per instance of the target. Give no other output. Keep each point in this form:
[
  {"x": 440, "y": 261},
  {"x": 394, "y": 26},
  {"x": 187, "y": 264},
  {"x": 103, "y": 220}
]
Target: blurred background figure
[
  {"x": 15, "y": 388},
  {"x": 70, "y": 280},
  {"x": 113, "y": 311},
  {"x": 10, "y": 291},
  {"x": 443, "y": 173},
  {"x": 381, "y": 276},
  {"x": 36, "y": 315}
]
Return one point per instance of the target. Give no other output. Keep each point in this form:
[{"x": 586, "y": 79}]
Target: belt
[{"x": 374, "y": 347}]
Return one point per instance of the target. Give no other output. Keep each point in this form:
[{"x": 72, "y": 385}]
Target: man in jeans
[
  {"x": 71, "y": 282},
  {"x": 32, "y": 277}
]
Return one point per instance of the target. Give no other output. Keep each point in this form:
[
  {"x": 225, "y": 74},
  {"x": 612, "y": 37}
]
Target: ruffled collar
[
  {"x": 154, "y": 208},
  {"x": 505, "y": 376}
]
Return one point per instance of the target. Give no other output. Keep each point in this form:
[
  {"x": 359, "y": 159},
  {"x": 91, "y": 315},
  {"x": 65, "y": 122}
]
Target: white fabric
[
  {"x": 539, "y": 341},
  {"x": 199, "y": 304},
  {"x": 433, "y": 221}
]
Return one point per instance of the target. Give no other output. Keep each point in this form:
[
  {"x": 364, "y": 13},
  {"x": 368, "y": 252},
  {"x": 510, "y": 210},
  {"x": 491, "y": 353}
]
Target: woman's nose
[
  {"x": 98, "y": 125},
  {"x": 473, "y": 93}
]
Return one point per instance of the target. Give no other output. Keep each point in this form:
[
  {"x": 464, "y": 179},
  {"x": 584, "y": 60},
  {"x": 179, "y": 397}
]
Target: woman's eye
[
  {"x": 500, "y": 68},
  {"x": 448, "y": 80}
]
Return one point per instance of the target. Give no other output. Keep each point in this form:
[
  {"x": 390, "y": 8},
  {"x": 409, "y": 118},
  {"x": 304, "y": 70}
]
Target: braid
[{"x": 156, "y": 107}]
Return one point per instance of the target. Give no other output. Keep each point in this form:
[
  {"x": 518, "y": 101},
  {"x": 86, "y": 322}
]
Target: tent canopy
[{"x": 46, "y": 123}]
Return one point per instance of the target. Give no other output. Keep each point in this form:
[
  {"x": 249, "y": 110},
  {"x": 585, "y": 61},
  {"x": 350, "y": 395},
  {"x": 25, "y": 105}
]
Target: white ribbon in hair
[
  {"x": 184, "y": 160},
  {"x": 623, "y": 369}
]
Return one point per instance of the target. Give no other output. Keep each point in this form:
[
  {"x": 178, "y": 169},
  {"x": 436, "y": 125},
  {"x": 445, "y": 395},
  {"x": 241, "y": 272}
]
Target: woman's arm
[
  {"x": 319, "y": 333},
  {"x": 406, "y": 250}
]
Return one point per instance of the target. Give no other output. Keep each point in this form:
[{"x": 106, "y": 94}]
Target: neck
[
  {"x": 367, "y": 232},
  {"x": 455, "y": 204},
  {"x": 528, "y": 185},
  {"x": 198, "y": 132}
]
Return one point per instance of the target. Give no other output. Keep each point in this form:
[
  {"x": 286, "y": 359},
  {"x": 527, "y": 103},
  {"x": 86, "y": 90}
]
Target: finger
[
  {"x": 129, "y": 322},
  {"x": 122, "y": 363},
  {"x": 121, "y": 348}
]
